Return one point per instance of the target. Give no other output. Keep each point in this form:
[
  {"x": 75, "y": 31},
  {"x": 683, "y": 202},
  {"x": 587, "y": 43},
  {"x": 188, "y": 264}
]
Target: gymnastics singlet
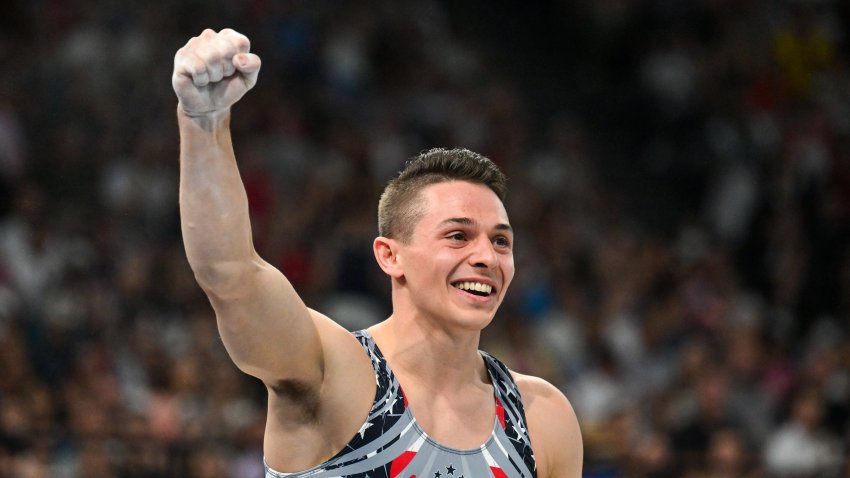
[{"x": 390, "y": 444}]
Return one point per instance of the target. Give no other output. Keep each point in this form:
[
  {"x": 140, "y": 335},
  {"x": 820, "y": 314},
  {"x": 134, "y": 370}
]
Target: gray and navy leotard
[{"x": 390, "y": 444}]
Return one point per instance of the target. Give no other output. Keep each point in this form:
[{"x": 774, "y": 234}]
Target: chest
[
  {"x": 471, "y": 433},
  {"x": 460, "y": 420}
]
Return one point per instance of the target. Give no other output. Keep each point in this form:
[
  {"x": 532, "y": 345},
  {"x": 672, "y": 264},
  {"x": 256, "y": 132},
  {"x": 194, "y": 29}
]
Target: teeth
[{"x": 476, "y": 286}]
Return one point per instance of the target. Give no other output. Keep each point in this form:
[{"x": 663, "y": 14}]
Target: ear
[{"x": 387, "y": 254}]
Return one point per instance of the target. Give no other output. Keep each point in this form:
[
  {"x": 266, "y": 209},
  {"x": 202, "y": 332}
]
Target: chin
[{"x": 473, "y": 320}]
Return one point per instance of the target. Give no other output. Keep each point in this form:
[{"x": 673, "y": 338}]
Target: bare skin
[{"x": 320, "y": 381}]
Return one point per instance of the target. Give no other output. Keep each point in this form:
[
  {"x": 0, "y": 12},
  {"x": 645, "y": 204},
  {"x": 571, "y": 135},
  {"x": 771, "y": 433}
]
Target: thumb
[{"x": 248, "y": 65}]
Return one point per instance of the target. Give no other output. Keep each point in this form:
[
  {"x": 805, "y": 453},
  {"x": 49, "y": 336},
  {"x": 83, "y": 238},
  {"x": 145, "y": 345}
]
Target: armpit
[{"x": 299, "y": 400}]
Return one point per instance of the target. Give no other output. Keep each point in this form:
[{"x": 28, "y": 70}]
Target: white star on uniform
[
  {"x": 363, "y": 428},
  {"x": 520, "y": 433}
]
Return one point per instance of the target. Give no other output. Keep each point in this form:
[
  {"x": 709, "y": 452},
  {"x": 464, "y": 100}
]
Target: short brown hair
[{"x": 398, "y": 210}]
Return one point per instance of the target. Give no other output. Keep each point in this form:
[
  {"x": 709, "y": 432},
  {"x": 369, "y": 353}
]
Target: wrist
[
  {"x": 208, "y": 115},
  {"x": 206, "y": 120}
]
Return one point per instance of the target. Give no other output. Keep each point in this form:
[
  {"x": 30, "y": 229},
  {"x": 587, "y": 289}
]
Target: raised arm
[{"x": 266, "y": 328}]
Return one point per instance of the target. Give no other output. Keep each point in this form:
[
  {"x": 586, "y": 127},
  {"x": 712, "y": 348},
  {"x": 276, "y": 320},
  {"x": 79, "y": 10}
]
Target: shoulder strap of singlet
[
  {"x": 389, "y": 398},
  {"x": 379, "y": 364},
  {"x": 510, "y": 410}
]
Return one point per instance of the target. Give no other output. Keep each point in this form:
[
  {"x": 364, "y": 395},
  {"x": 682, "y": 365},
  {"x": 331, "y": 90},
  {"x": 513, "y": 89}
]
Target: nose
[{"x": 483, "y": 254}]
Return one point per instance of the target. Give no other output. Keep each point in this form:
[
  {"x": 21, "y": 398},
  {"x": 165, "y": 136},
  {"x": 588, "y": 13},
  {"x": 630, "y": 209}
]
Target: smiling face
[{"x": 459, "y": 261}]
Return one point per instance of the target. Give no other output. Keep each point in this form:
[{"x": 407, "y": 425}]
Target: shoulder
[{"x": 552, "y": 427}]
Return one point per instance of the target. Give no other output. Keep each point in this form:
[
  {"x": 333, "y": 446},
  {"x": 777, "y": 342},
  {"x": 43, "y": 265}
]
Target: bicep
[{"x": 267, "y": 329}]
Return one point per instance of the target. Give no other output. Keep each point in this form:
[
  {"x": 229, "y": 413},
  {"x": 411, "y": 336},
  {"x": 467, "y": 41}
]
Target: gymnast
[{"x": 412, "y": 396}]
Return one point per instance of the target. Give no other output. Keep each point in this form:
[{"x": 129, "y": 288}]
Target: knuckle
[
  {"x": 208, "y": 54},
  {"x": 242, "y": 42},
  {"x": 236, "y": 39},
  {"x": 226, "y": 48},
  {"x": 197, "y": 66}
]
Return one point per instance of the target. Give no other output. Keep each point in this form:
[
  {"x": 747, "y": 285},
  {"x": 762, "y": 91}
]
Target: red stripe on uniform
[
  {"x": 497, "y": 472},
  {"x": 500, "y": 412},
  {"x": 401, "y": 462}
]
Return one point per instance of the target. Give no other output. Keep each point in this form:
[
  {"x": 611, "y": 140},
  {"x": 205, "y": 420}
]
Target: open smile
[{"x": 475, "y": 288}]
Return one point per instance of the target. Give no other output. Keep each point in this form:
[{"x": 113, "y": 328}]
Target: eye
[
  {"x": 457, "y": 236},
  {"x": 502, "y": 241}
]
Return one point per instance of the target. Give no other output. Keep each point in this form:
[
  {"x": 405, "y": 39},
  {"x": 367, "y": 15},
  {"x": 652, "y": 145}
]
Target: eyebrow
[{"x": 465, "y": 221}]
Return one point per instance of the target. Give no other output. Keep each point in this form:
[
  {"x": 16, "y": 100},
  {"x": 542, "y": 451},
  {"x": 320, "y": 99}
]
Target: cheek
[
  {"x": 426, "y": 266},
  {"x": 508, "y": 269}
]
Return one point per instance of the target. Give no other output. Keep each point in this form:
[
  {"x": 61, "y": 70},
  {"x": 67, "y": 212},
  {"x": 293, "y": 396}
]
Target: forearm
[{"x": 213, "y": 204}]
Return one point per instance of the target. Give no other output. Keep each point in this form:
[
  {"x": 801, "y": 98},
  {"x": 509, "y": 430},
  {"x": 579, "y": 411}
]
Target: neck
[{"x": 435, "y": 355}]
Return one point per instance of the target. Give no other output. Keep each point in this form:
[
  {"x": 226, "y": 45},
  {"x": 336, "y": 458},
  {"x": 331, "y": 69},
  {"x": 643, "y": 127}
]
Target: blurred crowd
[{"x": 679, "y": 184}]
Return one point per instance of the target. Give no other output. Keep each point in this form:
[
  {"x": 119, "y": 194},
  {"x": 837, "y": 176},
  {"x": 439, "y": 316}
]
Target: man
[{"x": 343, "y": 404}]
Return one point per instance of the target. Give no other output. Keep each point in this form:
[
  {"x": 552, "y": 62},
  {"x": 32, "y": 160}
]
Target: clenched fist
[{"x": 212, "y": 71}]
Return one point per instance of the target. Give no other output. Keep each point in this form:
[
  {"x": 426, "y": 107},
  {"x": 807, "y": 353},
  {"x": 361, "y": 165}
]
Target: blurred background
[{"x": 680, "y": 187}]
